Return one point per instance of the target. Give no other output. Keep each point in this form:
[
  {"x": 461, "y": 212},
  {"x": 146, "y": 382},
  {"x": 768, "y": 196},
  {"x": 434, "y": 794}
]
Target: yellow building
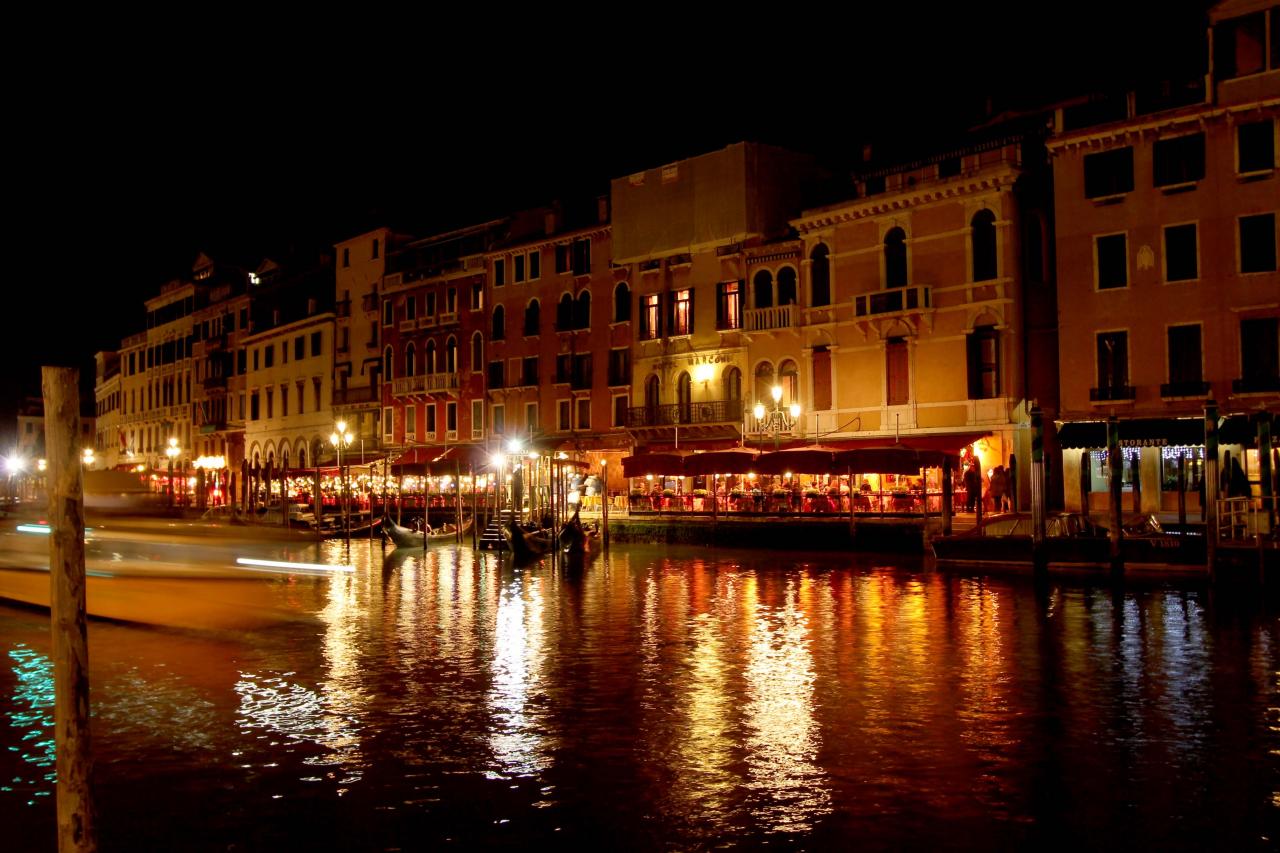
[{"x": 358, "y": 270}]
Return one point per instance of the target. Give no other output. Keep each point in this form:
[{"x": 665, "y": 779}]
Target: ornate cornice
[{"x": 888, "y": 203}]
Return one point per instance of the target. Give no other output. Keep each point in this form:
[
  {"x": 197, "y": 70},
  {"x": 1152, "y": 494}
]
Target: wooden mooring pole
[{"x": 76, "y": 824}]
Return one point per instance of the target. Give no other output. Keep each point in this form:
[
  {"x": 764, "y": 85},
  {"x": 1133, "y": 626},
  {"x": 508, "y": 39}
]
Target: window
[
  {"x": 562, "y": 258},
  {"x": 650, "y": 316},
  {"x": 531, "y": 417},
  {"x": 764, "y": 381},
  {"x": 762, "y": 289},
  {"x": 821, "y": 379},
  {"x": 241, "y": 362},
  {"x": 535, "y": 265},
  {"x": 562, "y": 416},
  {"x": 429, "y": 363},
  {"x": 497, "y": 419},
  {"x": 499, "y": 330},
  {"x": 499, "y": 272},
  {"x": 1113, "y": 363},
  {"x": 983, "y": 241},
  {"x": 564, "y": 367},
  {"x": 1180, "y": 260},
  {"x": 387, "y": 373},
  {"x": 430, "y": 305},
  {"x": 898, "y": 384},
  {"x": 477, "y": 418},
  {"x": 582, "y": 256},
  {"x": 253, "y": 405},
  {"x": 496, "y": 374},
  {"x": 451, "y": 355},
  {"x": 388, "y": 312},
  {"x": 302, "y": 397},
  {"x": 733, "y": 384},
  {"x": 299, "y": 348},
  {"x": 564, "y": 313},
  {"x": 620, "y": 366},
  {"x": 984, "y": 363},
  {"x": 284, "y": 401},
  {"x": 517, "y": 269},
  {"x": 621, "y": 303},
  {"x": 315, "y": 386},
  {"x": 1256, "y": 145},
  {"x": 269, "y": 355},
  {"x": 789, "y": 379},
  {"x": 271, "y": 397},
  {"x": 1258, "y": 243},
  {"x": 1111, "y": 261},
  {"x": 477, "y": 296},
  {"x": 529, "y": 370},
  {"x": 532, "y": 318},
  {"x": 584, "y": 413},
  {"x": 682, "y": 312},
  {"x": 477, "y": 351},
  {"x": 1239, "y": 45},
  {"x": 411, "y": 308},
  {"x": 410, "y": 359},
  {"x": 1108, "y": 173},
  {"x": 346, "y": 257},
  {"x": 429, "y": 415},
  {"x": 451, "y": 416},
  {"x": 729, "y": 305},
  {"x": 284, "y": 352},
  {"x": 819, "y": 277},
  {"x": 582, "y": 310},
  {"x": 375, "y": 248},
  {"x": 410, "y": 421},
  {"x": 387, "y": 424},
  {"x": 581, "y": 378},
  {"x": 1184, "y": 360},
  {"x": 1260, "y": 354},
  {"x": 620, "y": 410},
  {"x": 1179, "y": 160},
  {"x": 787, "y": 286},
  {"x": 895, "y": 258},
  {"x": 652, "y": 398}
]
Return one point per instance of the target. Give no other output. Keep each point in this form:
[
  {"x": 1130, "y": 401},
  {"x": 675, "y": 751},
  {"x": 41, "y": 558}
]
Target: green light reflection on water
[{"x": 32, "y": 715}]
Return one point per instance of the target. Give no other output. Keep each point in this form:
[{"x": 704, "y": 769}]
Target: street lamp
[
  {"x": 14, "y": 465},
  {"x": 87, "y": 457},
  {"x": 339, "y": 439},
  {"x": 172, "y": 452},
  {"x": 775, "y": 420}
]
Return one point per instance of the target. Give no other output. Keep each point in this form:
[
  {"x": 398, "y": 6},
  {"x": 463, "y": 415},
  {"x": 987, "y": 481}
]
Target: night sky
[{"x": 247, "y": 147}]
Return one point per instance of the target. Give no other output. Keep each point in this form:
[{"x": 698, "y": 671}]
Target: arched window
[
  {"x": 302, "y": 457},
  {"x": 652, "y": 398},
  {"x": 450, "y": 355},
  {"x": 895, "y": 258},
  {"x": 477, "y": 351},
  {"x": 532, "y": 318},
  {"x": 820, "y": 275},
  {"x": 621, "y": 303},
  {"x": 983, "y": 232},
  {"x": 684, "y": 397},
  {"x": 787, "y": 286},
  {"x": 733, "y": 384},
  {"x": 582, "y": 311},
  {"x": 429, "y": 362},
  {"x": 410, "y": 359},
  {"x": 762, "y": 289},
  {"x": 564, "y": 313},
  {"x": 387, "y": 357},
  {"x": 764, "y": 382},
  {"x": 499, "y": 331},
  {"x": 789, "y": 379}
]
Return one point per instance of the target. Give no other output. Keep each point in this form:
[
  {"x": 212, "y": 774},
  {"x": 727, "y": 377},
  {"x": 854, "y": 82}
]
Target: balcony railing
[
  {"x": 1184, "y": 389},
  {"x": 893, "y": 301},
  {"x": 211, "y": 382},
  {"x": 775, "y": 317},
  {"x": 710, "y": 412},
  {"x": 1255, "y": 384},
  {"x": 1112, "y": 392},
  {"x": 425, "y": 383},
  {"x": 448, "y": 318},
  {"x": 351, "y": 396},
  {"x": 408, "y": 325}
]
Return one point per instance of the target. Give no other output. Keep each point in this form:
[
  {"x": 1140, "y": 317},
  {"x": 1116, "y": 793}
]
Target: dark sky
[{"x": 160, "y": 149}]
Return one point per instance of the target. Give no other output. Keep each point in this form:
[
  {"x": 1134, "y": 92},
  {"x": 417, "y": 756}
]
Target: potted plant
[{"x": 812, "y": 493}]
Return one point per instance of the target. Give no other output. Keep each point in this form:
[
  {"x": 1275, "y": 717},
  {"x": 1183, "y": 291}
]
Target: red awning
[
  {"x": 737, "y": 460},
  {"x": 806, "y": 459},
  {"x": 660, "y": 464}
]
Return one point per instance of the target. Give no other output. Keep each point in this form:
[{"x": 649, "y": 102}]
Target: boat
[
  {"x": 1072, "y": 540},
  {"x": 405, "y": 537},
  {"x": 528, "y": 545},
  {"x": 578, "y": 543}
]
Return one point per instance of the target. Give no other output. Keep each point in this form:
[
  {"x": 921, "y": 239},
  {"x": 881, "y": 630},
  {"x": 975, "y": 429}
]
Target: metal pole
[{"x": 72, "y": 746}]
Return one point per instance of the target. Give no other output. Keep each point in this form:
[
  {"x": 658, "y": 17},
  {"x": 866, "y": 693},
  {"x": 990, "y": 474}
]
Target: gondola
[
  {"x": 528, "y": 546},
  {"x": 578, "y": 543},
  {"x": 404, "y": 537}
]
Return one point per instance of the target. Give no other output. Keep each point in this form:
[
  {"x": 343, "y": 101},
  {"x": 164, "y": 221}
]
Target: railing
[
  {"x": 424, "y": 383},
  {"x": 351, "y": 396},
  {"x": 448, "y": 318},
  {"x": 893, "y": 301},
  {"x": 1112, "y": 392},
  {"x": 1184, "y": 389},
  {"x": 1255, "y": 384},
  {"x": 776, "y": 317},
  {"x": 716, "y": 411},
  {"x": 427, "y": 322},
  {"x": 408, "y": 325},
  {"x": 134, "y": 340},
  {"x": 1248, "y": 519}
]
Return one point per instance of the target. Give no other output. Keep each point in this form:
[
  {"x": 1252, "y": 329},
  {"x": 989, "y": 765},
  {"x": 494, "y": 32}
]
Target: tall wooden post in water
[
  {"x": 1210, "y": 484},
  {"x": 1040, "y": 564},
  {"x": 1115, "y": 463},
  {"x": 946, "y": 496},
  {"x": 76, "y": 824}
]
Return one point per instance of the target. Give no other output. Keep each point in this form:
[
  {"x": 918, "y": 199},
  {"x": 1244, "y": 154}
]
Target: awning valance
[{"x": 1135, "y": 432}]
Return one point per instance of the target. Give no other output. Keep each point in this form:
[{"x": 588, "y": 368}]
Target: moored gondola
[{"x": 405, "y": 537}]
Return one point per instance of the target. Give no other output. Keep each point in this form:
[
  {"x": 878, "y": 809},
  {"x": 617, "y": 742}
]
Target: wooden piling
[
  {"x": 77, "y": 829},
  {"x": 1115, "y": 463}
]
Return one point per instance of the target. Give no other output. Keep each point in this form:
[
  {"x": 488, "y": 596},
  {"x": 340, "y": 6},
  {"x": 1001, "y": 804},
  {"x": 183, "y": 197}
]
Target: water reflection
[
  {"x": 517, "y": 671},
  {"x": 31, "y": 714}
]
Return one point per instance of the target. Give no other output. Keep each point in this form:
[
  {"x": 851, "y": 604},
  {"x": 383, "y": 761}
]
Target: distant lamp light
[
  {"x": 514, "y": 445},
  {"x": 704, "y": 372},
  {"x": 499, "y": 459},
  {"x": 41, "y": 465},
  {"x": 758, "y": 411},
  {"x": 776, "y": 393},
  {"x": 14, "y": 464},
  {"x": 795, "y": 410}
]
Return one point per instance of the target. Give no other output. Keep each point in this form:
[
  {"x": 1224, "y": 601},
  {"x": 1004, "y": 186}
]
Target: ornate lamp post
[
  {"x": 776, "y": 420},
  {"x": 172, "y": 452},
  {"x": 342, "y": 438}
]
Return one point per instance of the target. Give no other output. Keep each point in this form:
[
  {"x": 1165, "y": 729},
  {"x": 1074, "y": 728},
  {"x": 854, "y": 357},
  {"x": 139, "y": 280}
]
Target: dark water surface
[{"x": 671, "y": 698}]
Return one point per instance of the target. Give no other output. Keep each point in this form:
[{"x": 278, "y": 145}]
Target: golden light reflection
[
  {"x": 516, "y": 737},
  {"x": 783, "y": 737}
]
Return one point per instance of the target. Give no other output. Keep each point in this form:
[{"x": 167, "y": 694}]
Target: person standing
[
  {"x": 999, "y": 489},
  {"x": 972, "y": 486}
]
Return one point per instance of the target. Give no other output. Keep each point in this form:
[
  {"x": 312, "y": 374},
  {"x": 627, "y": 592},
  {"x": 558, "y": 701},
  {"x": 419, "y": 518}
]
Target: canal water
[{"x": 668, "y": 698}]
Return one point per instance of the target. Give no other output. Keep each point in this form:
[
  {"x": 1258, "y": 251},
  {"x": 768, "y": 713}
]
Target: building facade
[{"x": 360, "y": 264}]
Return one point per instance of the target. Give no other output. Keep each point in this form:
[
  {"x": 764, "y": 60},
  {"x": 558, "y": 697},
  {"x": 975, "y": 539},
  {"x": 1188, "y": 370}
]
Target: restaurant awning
[
  {"x": 1243, "y": 429},
  {"x": 810, "y": 459},
  {"x": 1135, "y": 432},
  {"x": 738, "y": 460},
  {"x": 658, "y": 464},
  {"x": 896, "y": 459}
]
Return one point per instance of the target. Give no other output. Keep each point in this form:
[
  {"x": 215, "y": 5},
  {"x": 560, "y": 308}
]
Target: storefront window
[
  {"x": 1194, "y": 457},
  {"x": 1100, "y": 479}
]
